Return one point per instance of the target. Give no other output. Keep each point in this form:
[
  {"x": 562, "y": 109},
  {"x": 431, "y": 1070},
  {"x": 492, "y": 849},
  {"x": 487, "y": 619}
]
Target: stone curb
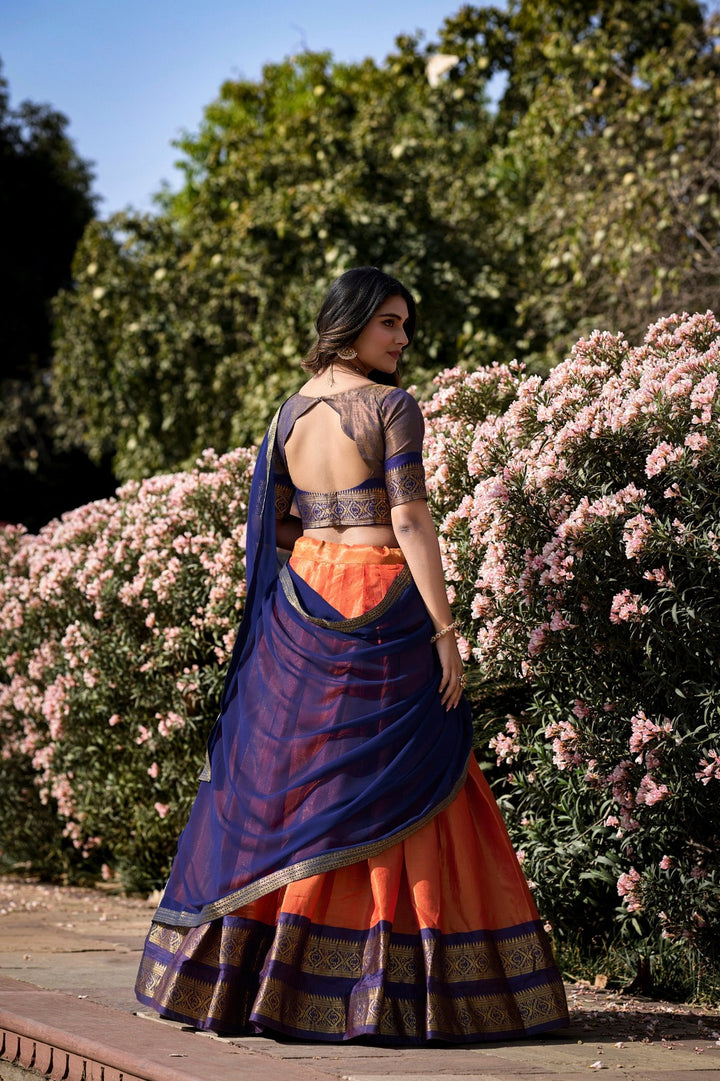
[{"x": 66, "y": 1039}]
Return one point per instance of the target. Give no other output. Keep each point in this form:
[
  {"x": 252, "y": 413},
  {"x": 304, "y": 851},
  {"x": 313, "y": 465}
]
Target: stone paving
[{"x": 68, "y": 959}]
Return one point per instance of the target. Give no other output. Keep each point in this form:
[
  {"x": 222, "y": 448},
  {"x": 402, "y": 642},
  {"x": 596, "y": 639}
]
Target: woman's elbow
[{"x": 409, "y": 518}]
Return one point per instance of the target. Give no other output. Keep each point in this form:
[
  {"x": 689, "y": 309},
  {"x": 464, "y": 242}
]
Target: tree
[
  {"x": 45, "y": 204},
  {"x": 188, "y": 327},
  {"x": 616, "y": 151},
  {"x": 587, "y": 197}
]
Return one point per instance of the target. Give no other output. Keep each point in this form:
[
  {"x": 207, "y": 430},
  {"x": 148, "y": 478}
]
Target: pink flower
[
  {"x": 645, "y": 731},
  {"x": 558, "y": 622},
  {"x": 710, "y": 768},
  {"x": 628, "y": 887},
  {"x": 169, "y": 723},
  {"x": 619, "y": 779},
  {"x": 659, "y": 575},
  {"x": 464, "y": 647},
  {"x": 565, "y": 744},
  {"x": 153, "y": 770},
  {"x": 637, "y": 532},
  {"x": 536, "y": 642},
  {"x": 695, "y": 441},
  {"x": 506, "y": 744},
  {"x": 651, "y": 793},
  {"x": 162, "y": 809},
  {"x": 627, "y": 607},
  {"x": 663, "y": 456}
]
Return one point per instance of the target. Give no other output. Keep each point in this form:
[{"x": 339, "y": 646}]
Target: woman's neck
[{"x": 337, "y": 377}]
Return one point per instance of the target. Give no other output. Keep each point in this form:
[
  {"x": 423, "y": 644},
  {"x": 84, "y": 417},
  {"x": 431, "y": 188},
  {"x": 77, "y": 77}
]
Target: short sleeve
[{"x": 404, "y": 429}]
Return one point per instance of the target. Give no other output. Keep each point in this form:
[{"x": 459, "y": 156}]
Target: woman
[{"x": 345, "y": 871}]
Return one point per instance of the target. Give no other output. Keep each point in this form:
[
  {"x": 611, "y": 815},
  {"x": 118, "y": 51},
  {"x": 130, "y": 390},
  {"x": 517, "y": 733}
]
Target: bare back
[{"x": 320, "y": 456}]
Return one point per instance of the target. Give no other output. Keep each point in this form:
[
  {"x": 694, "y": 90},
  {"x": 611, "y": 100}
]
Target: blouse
[{"x": 387, "y": 427}]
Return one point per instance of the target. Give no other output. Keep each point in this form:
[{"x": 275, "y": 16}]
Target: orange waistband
[{"x": 321, "y": 551}]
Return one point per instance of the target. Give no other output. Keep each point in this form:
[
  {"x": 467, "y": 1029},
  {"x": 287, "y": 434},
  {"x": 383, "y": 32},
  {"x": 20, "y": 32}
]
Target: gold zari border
[
  {"x": 405, "y": 483},
  {"x": 217, "y": 968},
  {"x": 489, "y": 1014}
]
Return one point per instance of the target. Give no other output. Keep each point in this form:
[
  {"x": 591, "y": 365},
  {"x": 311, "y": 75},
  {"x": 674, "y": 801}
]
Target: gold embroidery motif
[
  {"x": 283, "y": 500},
  {"x": 381, "y": 973},
  {"x": 353, "y": 506},
  {"x": 455, "y": 964},
  {"x": 405, "y": 483}
]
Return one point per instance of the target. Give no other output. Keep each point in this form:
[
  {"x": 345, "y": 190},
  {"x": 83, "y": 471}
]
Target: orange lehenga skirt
[{"x": 437, "y": 937}]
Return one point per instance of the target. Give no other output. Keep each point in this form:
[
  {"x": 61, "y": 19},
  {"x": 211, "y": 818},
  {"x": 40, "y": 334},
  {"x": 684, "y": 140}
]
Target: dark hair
[{"x": 348, "y": 307}]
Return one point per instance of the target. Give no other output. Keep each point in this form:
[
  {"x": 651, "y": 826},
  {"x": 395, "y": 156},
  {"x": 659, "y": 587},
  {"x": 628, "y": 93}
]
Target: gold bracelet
[{"x": 444, "y": 631}]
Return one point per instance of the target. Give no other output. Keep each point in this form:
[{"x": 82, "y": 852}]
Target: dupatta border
[
  {"x": 271, "y": 436},
  {"x": 329, "y": 861},
  {"x": 396, "y": 588}
]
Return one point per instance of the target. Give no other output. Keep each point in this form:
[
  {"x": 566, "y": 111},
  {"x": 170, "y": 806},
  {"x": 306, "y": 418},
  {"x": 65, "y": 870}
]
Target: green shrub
[{"x": 115, "y": 623}]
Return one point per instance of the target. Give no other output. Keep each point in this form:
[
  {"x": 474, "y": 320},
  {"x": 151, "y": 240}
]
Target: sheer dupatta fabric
[{"x": 331, "y": 744}]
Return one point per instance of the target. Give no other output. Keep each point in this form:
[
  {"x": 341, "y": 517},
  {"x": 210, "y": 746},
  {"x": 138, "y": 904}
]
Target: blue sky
[{"x": 131, "y": 74}]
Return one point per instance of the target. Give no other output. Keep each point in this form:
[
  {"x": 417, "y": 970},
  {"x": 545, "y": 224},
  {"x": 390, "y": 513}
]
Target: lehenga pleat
[{"x": 435, "y": 938}]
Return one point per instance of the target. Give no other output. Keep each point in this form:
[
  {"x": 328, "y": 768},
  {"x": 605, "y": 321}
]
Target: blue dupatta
[{"x": 331, "y": 744}]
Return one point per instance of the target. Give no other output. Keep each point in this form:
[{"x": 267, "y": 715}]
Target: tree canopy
[
  {"x": 584, "y": 192},
  {"x": 45, "y": 204}
]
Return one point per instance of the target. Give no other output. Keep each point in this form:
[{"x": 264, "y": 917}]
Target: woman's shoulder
[{"x": 398, "y": 401}]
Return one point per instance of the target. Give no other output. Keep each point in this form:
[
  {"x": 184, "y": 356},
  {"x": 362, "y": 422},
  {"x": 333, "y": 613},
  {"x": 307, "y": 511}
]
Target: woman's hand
[{"x": 452, "y": 669}]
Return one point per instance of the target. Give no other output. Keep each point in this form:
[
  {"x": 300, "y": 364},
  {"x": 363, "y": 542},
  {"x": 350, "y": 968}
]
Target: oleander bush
[
  {"x": 115, "y": 623},
  {"x": 581, "y": 535},
  {"x": 580, "y": 527}
]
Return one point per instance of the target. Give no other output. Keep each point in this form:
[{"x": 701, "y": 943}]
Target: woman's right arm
[
  {"x": 416, "y": 536},
  {"x": 287, "y": 531}
]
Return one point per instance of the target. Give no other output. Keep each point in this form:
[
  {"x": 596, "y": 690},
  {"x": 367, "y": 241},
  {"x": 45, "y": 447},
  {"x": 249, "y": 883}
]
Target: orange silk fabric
[
  {"x": 352, "y": 578},
  {"x": 456, "y": 874}
]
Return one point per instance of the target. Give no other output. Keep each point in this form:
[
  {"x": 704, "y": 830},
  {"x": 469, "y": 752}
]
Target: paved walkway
[{"x": 68, "y": 959}]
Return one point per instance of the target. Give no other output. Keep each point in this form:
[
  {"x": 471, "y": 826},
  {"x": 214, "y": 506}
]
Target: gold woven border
[
  {"x": 466, "y": 999},
  {"x": 488, "y": 1014},
  {"x": 404, "y": 483},
  {"x": 367, "y": 506},
  {"x": 316, "y": 865}
]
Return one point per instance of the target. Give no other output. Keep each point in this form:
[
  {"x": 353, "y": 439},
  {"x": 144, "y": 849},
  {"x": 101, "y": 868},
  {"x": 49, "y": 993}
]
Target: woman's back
[{"x": 320, "y": 455}]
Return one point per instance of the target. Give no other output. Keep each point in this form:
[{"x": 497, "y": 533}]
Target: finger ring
[{"x": 462, "y": 680}]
